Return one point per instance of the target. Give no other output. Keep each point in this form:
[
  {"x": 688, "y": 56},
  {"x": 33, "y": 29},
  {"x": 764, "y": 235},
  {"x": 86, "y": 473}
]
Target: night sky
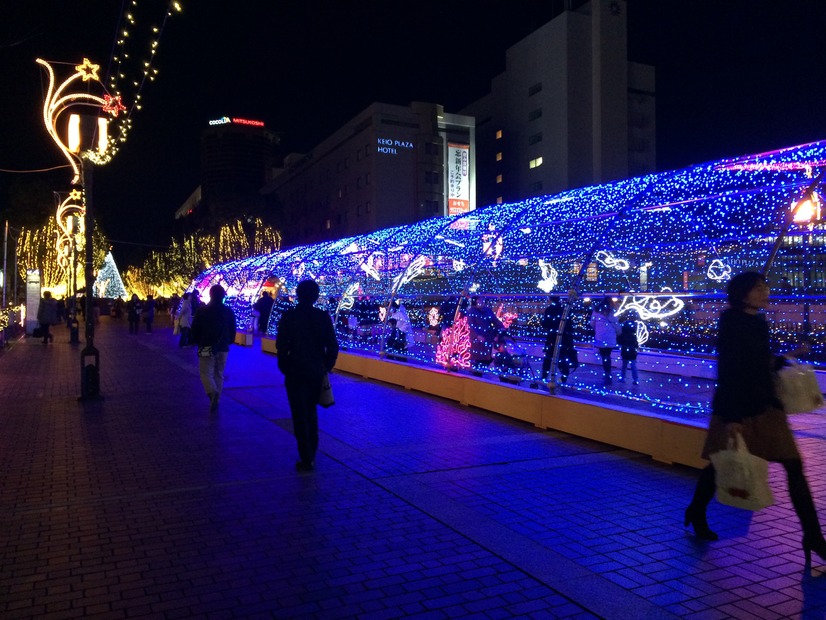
[{"x": 733, "y": 77}]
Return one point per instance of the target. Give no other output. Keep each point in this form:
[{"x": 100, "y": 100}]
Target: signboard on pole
[{"x": 32, "y": 299}]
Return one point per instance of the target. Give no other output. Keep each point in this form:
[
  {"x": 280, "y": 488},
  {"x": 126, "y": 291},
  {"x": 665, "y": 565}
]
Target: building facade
[
  {"x": 237, "y": 159},
  {"x": 568, "y": 111},
  {"x": 388, "y": 166}
]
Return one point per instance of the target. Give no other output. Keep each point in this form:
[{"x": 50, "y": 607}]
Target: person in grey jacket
[
  {"x": 213, "y": 330},
  {"x": 606, "y": 329}
]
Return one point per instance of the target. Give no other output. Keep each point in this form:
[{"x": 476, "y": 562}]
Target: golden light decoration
[
  {"x": 69, "y": 236},
  {"x": 58, "y": 100},
  {"x": 807, "y": 210},
  {"x": 113, "y": 105},
  {"x": 88, "y": 70}
]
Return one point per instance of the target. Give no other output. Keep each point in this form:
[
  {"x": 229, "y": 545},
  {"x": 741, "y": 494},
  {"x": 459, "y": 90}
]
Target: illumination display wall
[{"x": 662, "y": 246}]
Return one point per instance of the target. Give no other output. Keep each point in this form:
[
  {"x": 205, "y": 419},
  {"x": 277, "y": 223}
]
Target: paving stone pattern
[{"x": 145, "y": 505}]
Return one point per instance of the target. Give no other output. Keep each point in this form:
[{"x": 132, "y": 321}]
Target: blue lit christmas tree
[{"x": 108, "y": 283}]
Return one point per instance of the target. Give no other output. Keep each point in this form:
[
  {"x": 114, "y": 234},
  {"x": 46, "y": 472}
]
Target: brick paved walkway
[{"x": 145, "y": 505}]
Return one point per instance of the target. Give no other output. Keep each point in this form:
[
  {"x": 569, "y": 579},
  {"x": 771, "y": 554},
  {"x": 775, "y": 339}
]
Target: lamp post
[
  {"x": 86, "y": 142},
  {"x": 82, "y": 130}
]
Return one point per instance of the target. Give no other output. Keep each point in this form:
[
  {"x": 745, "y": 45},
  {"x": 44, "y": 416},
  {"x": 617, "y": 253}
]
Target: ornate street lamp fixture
[{"x": 86, "y": 143}]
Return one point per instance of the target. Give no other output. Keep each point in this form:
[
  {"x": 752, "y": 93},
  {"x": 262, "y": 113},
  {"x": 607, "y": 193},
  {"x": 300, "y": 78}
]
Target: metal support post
[{"x": 89, "y": 356}]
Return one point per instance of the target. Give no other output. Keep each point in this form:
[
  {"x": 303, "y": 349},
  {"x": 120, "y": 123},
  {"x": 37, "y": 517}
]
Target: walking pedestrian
[
  {"x": 213, "y": 330},
  {"x": 133, "y": 313},
  {"x": 185, "y": 321},
  {"x": 606, "y": 328},
  {"x": 307, "y": 350},
  {"x": 745, "y": 403},
  {"x": 47, "y": 315},
  {"x": 629, "y": 344},
  {"x": 263, "y": 307},
  {"x": 568, "y": 360}
]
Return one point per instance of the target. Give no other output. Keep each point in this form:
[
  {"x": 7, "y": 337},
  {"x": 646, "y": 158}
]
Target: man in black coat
[
  {"x": 213, "y": 330},
  {"x": 307, "y": 351},
  {"x": 263, "y": 307}
]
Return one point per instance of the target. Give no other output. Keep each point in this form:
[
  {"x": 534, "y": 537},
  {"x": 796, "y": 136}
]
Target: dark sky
[{"x": 733, "y": 77}]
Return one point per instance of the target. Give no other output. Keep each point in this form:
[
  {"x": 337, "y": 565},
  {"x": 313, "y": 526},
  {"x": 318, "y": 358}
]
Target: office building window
[
  {"x": 498, "y": 178},
  {"x": 499, "y": 156},
  {"x": 535, "y": 163},
  {"x": 328, "y": 224},
  {"x": 537, "y": 137},
  {"x": 499, "y": 200},
  {"x": 498, "y": 134},
  {"x": 534, "y": 89},
  {"x": 534, "y": 114}
]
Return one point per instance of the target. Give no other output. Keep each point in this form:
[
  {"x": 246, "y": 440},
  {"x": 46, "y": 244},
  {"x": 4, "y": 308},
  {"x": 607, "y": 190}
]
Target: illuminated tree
[
  {"x": 36, "y": 250},
  {"x": 172, "y": 270},
  {"x": 108, "y": 283}
]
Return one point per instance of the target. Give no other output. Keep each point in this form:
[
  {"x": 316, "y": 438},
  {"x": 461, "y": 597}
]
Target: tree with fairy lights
[
  {"x": 108, "y": 283},
  {"x": 454, "y": 349}
]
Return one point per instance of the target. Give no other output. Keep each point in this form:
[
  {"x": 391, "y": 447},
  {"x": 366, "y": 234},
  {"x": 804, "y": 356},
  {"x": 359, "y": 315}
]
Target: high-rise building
[
  {"x": 390, "y": 165},
  {"x": 237, "y": 159},
  {"x": 569, "y": 110}
]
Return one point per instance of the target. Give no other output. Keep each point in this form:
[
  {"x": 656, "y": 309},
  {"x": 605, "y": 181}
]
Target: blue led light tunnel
[{"x": 469, "y": 291}]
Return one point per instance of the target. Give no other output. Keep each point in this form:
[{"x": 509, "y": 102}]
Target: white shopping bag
[
  {"x": 797, "y": 388},
  {"x": 742, "y": 478}
]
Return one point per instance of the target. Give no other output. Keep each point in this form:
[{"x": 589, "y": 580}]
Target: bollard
[{"x": 89, "y": 374}]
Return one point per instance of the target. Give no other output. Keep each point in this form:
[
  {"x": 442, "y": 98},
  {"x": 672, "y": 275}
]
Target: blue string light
[{"x": 666, "y": 246}]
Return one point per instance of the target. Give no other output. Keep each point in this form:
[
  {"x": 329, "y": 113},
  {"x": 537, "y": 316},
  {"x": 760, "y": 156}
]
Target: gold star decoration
[
  {"x": 75, "y": 195},
  {"x": 88, "y": 70},
  {"x": 113, "y": 105}
]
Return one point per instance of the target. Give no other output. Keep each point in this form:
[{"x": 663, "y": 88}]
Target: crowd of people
[{"x": 745, "y": 402}]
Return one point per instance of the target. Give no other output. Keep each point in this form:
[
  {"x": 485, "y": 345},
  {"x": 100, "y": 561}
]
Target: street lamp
[
  {"x": 92, "y": 131},
  {"x": 86, "y": 142}
]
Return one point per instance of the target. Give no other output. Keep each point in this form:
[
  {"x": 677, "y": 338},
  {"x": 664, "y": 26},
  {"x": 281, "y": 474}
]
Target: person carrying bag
[
  {"x": 742, "y": 478},
  {"x": 746, "y": 404},
  {"x": 307, "y": 351}
]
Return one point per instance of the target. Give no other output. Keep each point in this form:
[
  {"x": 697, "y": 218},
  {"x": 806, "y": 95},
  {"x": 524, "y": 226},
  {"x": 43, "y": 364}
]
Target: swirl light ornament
[
  {"x": 605, "y": 258},
  {"x": 70, "y": 225},
  {"x": 58, "y": 99}
]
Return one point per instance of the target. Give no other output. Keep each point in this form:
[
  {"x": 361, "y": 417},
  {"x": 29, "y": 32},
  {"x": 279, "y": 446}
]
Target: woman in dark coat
[{"x": 745, "y": 402}]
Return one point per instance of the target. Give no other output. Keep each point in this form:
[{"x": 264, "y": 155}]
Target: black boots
[{"x": 696, "y": 517}]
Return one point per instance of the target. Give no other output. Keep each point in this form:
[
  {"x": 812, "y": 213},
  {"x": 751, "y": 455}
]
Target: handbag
[
  {"x": 797, "y": 388},
  {"x": 742, "y": 478},
  {"x": 177, "y": 329},
  {"x": 325, "y": 396}
]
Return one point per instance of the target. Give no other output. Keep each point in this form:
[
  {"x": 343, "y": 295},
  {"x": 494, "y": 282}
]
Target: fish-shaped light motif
[
  {"x": 718, "y": 271},
  {"x": 606, "y": 259}
]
